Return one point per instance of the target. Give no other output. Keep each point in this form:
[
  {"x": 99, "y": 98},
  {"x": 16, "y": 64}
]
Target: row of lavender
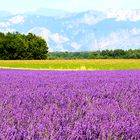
[{"x": 69, "y": 105}]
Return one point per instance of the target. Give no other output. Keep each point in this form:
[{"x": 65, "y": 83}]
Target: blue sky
[{"x": 19, "y": 6}]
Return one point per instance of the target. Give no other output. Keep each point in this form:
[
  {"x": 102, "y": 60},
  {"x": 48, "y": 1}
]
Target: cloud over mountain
[{"x": 85, "y": 31}]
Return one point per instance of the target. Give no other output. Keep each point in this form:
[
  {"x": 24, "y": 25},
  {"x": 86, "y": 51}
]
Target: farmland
[
  {"x": 69, "y": 105},
  {"x": 97, "y": 64}
]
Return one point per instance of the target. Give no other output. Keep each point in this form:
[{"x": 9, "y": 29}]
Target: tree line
[
  {"x": 23, "y": 47},
  {"x": 104, "y": 54}
]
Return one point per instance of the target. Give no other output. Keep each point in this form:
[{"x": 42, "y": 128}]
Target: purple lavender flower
[{"x": 69, "y": 105}]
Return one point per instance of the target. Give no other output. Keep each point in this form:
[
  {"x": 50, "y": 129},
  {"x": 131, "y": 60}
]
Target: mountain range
[{"x": 83, "y": 31}]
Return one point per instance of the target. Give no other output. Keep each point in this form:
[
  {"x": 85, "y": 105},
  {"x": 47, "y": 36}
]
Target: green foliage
[
  {"x": 15, "y": 46},
  {"x": 105, "y": 54}
]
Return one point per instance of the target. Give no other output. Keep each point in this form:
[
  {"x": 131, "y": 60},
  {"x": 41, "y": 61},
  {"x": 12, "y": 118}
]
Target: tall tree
[{"x": 19, "y": 46}]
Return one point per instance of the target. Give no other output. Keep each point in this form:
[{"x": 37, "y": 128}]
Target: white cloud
[
  {"x": 5, "y": 27},
  {"x": 135, "y": 31},
  {"x": 75, "y": 45},
  {"x": 17, "y": 19},
  {"x": 60, "y": 47},
  {"x": 115, "y": 39},
  {"x": 121, "y": 15},
  {"x": 57, "y": 38},
  {"x": 4, "y": 24},
  {"x": 41, "y": 31},
  {"x": 50, "y": 49},
  {"x": 89, "y": 19},
  {"x": 123, "y": 39},
  {"x": 48, "y": 35}
]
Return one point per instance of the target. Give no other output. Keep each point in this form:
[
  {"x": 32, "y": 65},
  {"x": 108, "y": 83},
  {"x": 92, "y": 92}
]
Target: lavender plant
[{"x": 69, "y": 105}]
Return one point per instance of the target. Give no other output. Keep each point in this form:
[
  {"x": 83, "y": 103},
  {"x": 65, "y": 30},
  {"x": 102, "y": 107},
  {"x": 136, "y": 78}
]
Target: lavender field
[{"x": 69, "y": 105}]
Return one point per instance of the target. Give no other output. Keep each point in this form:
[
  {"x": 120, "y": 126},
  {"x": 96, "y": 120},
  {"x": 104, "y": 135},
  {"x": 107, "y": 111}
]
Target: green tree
[
  {"x": 119, "y": 53},
  {"x": 37, "y": 47},
  {"x": 19, "y": 46}
]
